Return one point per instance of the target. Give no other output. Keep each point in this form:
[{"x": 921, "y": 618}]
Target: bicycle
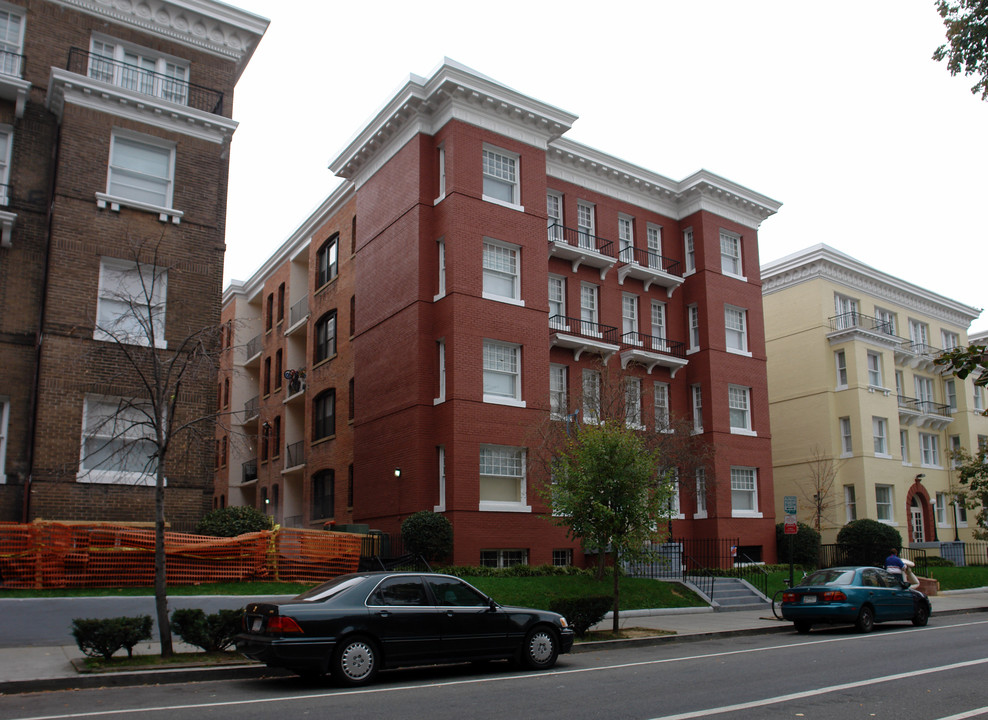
[{"x": 777, "y": 600}]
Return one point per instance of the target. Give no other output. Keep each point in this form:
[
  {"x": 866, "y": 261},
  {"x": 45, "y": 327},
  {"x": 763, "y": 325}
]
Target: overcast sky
[{"x": 834, "y": 109}]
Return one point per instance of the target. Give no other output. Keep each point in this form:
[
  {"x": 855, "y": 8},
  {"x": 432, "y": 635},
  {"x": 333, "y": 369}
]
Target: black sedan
[{"x": 356, "y": 624}]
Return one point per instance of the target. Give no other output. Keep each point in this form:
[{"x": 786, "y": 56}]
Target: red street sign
[{"x": 791, "y": 528}]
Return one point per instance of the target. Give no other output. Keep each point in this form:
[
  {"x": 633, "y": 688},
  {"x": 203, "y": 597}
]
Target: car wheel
[
  {"x": 802, "y": 626},
  {"x": 922, "y": 616},
  {"x": 355, "y": 661},
  {"x": 866, "y": 620},
  {"x": 541, "y": 648}
]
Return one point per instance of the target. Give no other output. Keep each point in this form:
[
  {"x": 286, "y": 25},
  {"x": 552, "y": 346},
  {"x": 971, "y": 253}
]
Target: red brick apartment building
[
  {"x": 115, "y": 127},
  {"x": 469, "y": 278}
]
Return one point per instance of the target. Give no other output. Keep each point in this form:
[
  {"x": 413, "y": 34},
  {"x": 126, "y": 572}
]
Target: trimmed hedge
[
  {"x": 583, "y": 613},
  {"x": 516, "y": 571},
  {"x": 428, "y": 534},
  {"x": 101, "y": 637},
  {"x": 805, "y": 544},
  {"x": 232, "y": 521},
  {"x": 212, "y": 633}
]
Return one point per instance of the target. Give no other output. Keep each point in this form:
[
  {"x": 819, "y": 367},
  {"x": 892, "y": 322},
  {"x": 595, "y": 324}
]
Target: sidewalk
[{"x": 35, "y": 669}]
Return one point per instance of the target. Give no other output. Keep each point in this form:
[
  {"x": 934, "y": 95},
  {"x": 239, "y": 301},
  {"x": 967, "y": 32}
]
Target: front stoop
[{"x": 735, "y": 594}]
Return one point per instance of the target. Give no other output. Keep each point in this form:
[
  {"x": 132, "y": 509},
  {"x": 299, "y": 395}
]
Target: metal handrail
[
  {"x": 580, "y": 239},
  {"x": 585, "y": 328},
  {"x": 648, "y": 259}
]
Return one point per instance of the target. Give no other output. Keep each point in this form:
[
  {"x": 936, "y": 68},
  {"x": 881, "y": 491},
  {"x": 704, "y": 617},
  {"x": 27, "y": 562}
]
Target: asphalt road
[{"x": 897, "y": 671}]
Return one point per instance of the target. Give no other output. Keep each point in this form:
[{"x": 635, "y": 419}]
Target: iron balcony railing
[
  {"x": 298, "y": 311},
  {"x": 295, "y": 454},
  {"x": 144, "y": 81},
  {"x": 585, "y": 328},
  {"x": 250, "y": 470},
  {"x": 924, "y": 407},
  {"x": 254, "y": 346},
  {"x": 652, "y": 343},
  {"x": 857, "y": 321},
  {"x": 650, "y": 260},
  {"x": 580, "y": 238},
  {"x": 252, "y": 408}
]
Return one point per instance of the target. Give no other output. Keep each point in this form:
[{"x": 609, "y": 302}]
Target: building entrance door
[{"x": 916, "y": 518}]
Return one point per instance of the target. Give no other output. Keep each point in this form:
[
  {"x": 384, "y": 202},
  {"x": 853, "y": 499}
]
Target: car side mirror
[{"x": 491, "y": 605}]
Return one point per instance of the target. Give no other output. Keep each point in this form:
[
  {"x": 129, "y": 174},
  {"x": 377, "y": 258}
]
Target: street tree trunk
[
  {"x": 160, "y": 567},
  {"x": 617, "y": 599}
]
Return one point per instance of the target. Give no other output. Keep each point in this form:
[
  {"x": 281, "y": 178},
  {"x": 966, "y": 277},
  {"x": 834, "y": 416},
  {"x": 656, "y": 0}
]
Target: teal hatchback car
[{"x": 861, "y": 596}]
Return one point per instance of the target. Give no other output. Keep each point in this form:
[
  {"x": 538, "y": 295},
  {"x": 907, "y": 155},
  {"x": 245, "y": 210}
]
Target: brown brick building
[
  {"x": 115, "y": 128},
  {"x": 466, "y": 282}
]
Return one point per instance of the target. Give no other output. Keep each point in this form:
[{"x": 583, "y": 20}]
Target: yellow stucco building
[{"x": 863, "y": 422}]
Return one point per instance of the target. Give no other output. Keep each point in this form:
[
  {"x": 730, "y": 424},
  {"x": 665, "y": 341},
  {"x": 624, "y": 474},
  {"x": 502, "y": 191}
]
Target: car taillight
[
  {"x": 833, "y": 596},
  {"x": 789, "y": 597},
  {"x": 282, "y": 625}
]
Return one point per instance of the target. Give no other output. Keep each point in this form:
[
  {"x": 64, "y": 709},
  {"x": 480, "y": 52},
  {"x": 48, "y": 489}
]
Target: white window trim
[
  {"x": 735, "y": 430},
  {"x": 961, "y": 522},
  {"x": 838, "y": 356},
  {"x": 559, "y": 324},
  {"x": 159, "y": 299},
  {"x": 520, "y": 507},
  {"x": 701, "y": 494},
  {"x": 441, "y": 454},
  {"x": 882, "y": 424},
  {"x": 635, "y": 421},
  {"x": 891, "y": 504},
  {"x": 441, "y": 350},
  {"x": 693, "y": 314},
  {"x": 850, "y": 500},
  {"x": 509, "y": 299},
  {"x": 166, "y": 212},
  {"x": 904, "y": 447},
  {"x": 4, "y": 428},
  {"x": 442, "y": 174},
  {"x": 562, "y": 393},
  {"x": 935, "y": 439},
  {"x": 846, "y": 448},
  {"x": 745, "y": 349},
  {"x": 689, "y": 252},
  {"x": 161, "y": 60},
  {"x": 746, "y": 513},
  {"x": 591, "y": 415},
  {"x": 515, "y": 401},
  {"x": 696, "y": 398},
  {"x": 740, "y": 258},
  {"x": 516, "y": 192},
  {"x": 109, "y": 477},
  {"x": 940, "y": 504},
  {"x": 441, "y": 250},
  {"x": 662, "y": 388}
]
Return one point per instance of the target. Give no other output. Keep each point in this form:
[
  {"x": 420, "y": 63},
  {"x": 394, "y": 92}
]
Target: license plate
[
  {"x": 809, "y": 599},
  {"x": 255, "y": 626}
]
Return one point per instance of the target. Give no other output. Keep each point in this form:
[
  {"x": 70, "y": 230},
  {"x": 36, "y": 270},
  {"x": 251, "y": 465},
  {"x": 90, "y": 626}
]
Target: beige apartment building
[{"x": 863, "y": 422}]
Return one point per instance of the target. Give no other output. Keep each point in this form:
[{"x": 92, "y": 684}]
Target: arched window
[
  {"x": 325, "y": 336},
  {"x": 323, "y": 493},
  {"x": 324, "y": 414}
]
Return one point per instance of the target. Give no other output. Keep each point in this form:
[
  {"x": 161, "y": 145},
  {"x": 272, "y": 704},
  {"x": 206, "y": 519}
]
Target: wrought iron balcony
[
  {"x": 581, "y": 248},
  {"x": 144, "y": 81},
  {"x": 250, "y": 471},
  {"x": 582, "y": 336},
  {"x": 855, "y": 321},
  {"x": 297, "y": 314},
  {"x": 924, "y": 413},
  {"x": 650, "y": 351},
  {"x": 295, "y": 455},
  {"x": 252, "y": 409},
  {"x": 917, "y": 355},
  {"x": 651, "y": 268},
  {"x": 253, "y": 352}
]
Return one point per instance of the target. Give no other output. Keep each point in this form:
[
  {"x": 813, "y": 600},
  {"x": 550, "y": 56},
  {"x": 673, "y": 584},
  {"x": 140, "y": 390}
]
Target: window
[
  {"x": 735, "y": 324},
  {"x": 441, "y": 460},
  {"x": 874, "y": 370},
  {"x": 275, "y": 437},
  {"x": 141, "y": 170},
  {"x": 879, "y": 431},
  {"x": 739, "y": 402},
  {"x": 730, "y": 254},
  {"x": 351, "y": 401},
  {"x": 693, "y": 312},
  {"x": 960, "y": 512},
  {"x": 557, "y": 302},
  {"x": 591, "y": 396},
  {"x": 502, "y": 373},
  {"x": 744, "y": 492},
  {"x": 558, "y": 407},
  {"x": 654, "y": 238},
  {"x": 324, "y": 415},
  {"x": 6, "y": 139},
  {"x": 949, "y": 340},
  {"x": 503, "y": 558},
  {"x": 327, "y": 260},
  {"x": 689, "y": 250},
  {"x": 501, "y": 281},
  {"x": 840, "y": 360},
  {"x": 904, "y": 446},
  {"x": 117, "y": 442},
  {"x": 502, "y": 478},
  {"x": 554, "y": 215},
  {"x": 626, "y": 239},
  {"x": 281, "y": 303},
  {"x": 846, "y": 445},
  {"x": 139, "y": 69},
  {"x": 441, "y": 361},
  {"x": 979, "y": 398},
  {"x": 265, "y": 435},
  {"x": 501, "y": 176},
  {"x": 629, "y": 319},
  {"x": 323, "y": 495},
  {"x": 847, "y": 312},
  {"x": 955, "y": 447},
  {"x": 675, "y": 507},
  {"x": 950, "y": 394},
  {"x": 924, "y": 390},
  {"x": 899, "y": 383},
  {"x": 919, "y": 333},
  {"x": 633, "y": 403},
  {"x": 4, "y": 425},
  {"x": 658, "y": 326},
  {"x": 269, "y": 312},
  {"x": 441, "y": 249},
  {"x": 850, "y": 504},
  {"x": 929, "y": 450},
  {"x": 562, "y": 557},
  {"x": 267, "y": 376},
  {"x": 661, "y": 391},
  {"x": 11, "y": 43},
  {"x": 697, "y": 408},
  {"x": 131, "y": 304},
  {"x": 585, "y": 225},
  {"x": 441, "y": 162},
  {"x": 885, "y": 321},
  {"x": 277, "y": 369},
  {"x": 942, "y": 503},
  {"x": 325, "y": 337},
  {"x": 353, "y": 316},
  {"x": 883, "y": 504},
  {"x": 701, "y": 494},
  {"x": 588, "y": 310},
  {"x": 226, "y": 392}
]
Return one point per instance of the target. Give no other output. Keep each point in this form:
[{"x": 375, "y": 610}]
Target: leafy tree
[
  {"x": 868, "y": 541},
  {"x": 428, "y": 534},
  {"x": 966, "y": 49},
  {"x": 963, "y": 361},
  {"x": 973, "y": 471},
  {"x": 232, "y": 521}
]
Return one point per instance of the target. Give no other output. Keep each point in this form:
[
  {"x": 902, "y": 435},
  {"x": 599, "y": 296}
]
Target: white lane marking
[
  {"x": 821, "y": 691},
  {"x": 491, "y": 679},
  {"x": 977, "y": 712}
]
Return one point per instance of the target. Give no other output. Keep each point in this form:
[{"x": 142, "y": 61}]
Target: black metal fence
[
  {"x": 840, "y": 554},
  {"x": 962, "y": 554},
  {"x": 700, "y": 562}
]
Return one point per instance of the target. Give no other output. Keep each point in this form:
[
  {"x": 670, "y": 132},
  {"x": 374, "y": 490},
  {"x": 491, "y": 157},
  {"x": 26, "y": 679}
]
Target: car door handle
[
  {"x": 450, "y": 613},
  {"x": 384, "y": 614}
]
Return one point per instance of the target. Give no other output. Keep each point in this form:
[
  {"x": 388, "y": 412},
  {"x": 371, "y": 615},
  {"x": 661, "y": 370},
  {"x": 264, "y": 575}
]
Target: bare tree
[
  {"x": 159, "y": 406},
  {"x": 817, "y": 488}
]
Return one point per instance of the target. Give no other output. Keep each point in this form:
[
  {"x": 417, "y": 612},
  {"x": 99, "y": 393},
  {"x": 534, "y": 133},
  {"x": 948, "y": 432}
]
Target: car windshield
[
  {"x": 832, "y": 576},
  {"x": 329, "y": 589}
]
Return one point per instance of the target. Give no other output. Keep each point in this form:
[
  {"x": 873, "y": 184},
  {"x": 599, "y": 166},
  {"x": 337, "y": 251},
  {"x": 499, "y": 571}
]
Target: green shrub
[
  {"x": 937, "y": 561},
  {"x": 232, "y": 521},
  {"x": 516, "y": 571},
  {"x": 583, "y": 613},
  {"x": 868, "y": 542},
  {"x": 428, "y": 534},
  {"x": 212, "y": 633},
  {"x": 101, "y": 637},
  {"x": 805, "y": 544}
]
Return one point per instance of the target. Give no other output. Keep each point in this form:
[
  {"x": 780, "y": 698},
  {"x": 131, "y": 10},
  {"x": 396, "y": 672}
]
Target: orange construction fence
[{"x": 56, "y": 555}]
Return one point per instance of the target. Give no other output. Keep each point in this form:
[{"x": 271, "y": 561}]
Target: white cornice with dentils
[
  {"x": 824, "y": 262},
  {"x": 424, "y": 105},
  {"x": 206, "y": 25}
]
